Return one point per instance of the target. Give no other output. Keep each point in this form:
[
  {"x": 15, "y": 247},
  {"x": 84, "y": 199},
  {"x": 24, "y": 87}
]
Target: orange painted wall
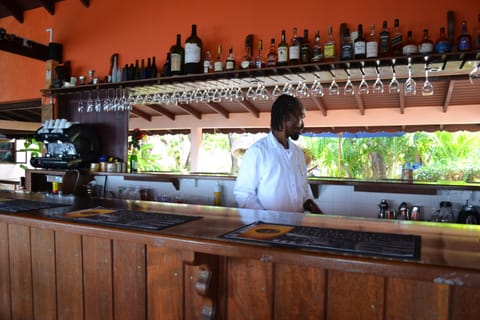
[{"x": 145, "y": 28}]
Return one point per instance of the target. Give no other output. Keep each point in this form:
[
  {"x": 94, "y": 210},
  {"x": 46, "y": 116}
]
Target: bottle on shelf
[
  {"x": 193, "y": 53},
  {"x": 442, "y": 45},
  {"x": 329, "y": 47},
  {"x": 207, "y": 62},
  {"x": 384, "y": 43},
  {"x": 133, "y": 162},
  {"x": 247, "y": 60},
  {"x": 346, "y": 50},
  {"x": 137, "y": 75},
  {"x": 148, "y": 69},
  {"x": 425, "y": 46},
  {"x": 114, "y": 68},
  {"x": 259, "y": 59},
  {"x": 396, "y": 43},
  {"x": 294, "y": 49},
  {"x": 177, "y": 54},
  {"x": 464, "y": 41},
  {"x": 218, "y": 63},
  {"x": 282, "y": 51},
  {"x": 166, "y": 66},
  {"x": 409, "y": 47},
  {"x": 230, "y": 62},
  {"x": 272, "y": 56},
  {"x": 143, "y": 73},
  {"x": 305, "y": 48},
  {"x": 372, "y": 43},
  {"x": 359, "y": 45},
  {"x": 317, "y": 51},
  {"x": 154, "y": 68},
  {"x": 131, "y": 72}
]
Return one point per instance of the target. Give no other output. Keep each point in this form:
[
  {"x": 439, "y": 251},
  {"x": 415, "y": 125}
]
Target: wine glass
[
  {"x": 98, "y": 102},
  {"x": 378, "y": 85},
  {"x": 334, "y": 89},
  {"x": 80, "y": 104},
  {"x": 427, "y": 89},
  {"x": 474, "y": 75},
  {"x": 90, "y": 103},
  {"x": 348, "y": 90},
  {"x": 302, "y": 90},
  {"x": 394, "y": 86},
  {"x": 316, "y": 89},
  {"x": 410, "y": 88},
  {"x": 276, "y": 91}
]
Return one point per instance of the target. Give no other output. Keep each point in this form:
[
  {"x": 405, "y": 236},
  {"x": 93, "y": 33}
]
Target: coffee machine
[{"x": 68, "y": 145}]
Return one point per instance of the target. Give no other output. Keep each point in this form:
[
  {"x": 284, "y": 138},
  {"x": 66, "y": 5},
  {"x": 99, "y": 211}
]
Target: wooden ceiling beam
[
  {"x": 219, "y": 109},
  {"x": 136, "y": 111},
  {"x": 402, "y": 98},
  {"x": 360, "y": 104},
  {"x": 320, "y": 106},
  {"x": 189, "y": 109},
  {"x": 448, "y": 96},
  {"x": 250, "y": 107},
  {"x": 162, "y": 110}
]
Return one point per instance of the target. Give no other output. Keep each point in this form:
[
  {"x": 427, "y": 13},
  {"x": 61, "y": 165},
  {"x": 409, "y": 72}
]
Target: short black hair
[{"x": 284, "y": 106}]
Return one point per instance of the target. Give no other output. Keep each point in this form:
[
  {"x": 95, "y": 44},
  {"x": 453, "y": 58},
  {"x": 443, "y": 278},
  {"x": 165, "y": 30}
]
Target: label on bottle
[
  {"x": 384, "y": 43},
  {"x": 359, "y": 48},
  {"x": 317, "y": 54},
  {"x": 218, "y": 66},
  {"x": 397, "y": 44},
  {"x": 464, "y": 44},
  {"x": 372, "y": 49},
  {"x": 230, "y": 65},
  {"x": 347, "y": 51},
  {"x": 294, "y": 52},
  {"x": 329, "y": 51},
  {"x": 442, "y": 47},
  {"x": 409, "y": 49},
  {"x": 425, "y": 47},
  {"x": 192, "y": 53},
  {"x": 175, "y": 62},
  {"x": 282, "y": 54}
]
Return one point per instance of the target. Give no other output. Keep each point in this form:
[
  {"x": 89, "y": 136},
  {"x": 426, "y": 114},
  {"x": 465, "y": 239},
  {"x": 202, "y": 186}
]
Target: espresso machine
[{"x": 68, "y": 145}]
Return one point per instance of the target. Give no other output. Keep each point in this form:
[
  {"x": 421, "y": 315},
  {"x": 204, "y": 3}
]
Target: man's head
[{"x": 287, "y": 116}]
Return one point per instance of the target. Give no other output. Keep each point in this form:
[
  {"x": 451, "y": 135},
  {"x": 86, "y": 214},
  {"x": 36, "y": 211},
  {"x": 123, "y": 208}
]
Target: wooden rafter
[
  {"x": 250, "y": 108},
  {"x": 448, "y": 97},
  {"x": 360, "y": 104},
  {"x": 189, "y": 109},
  {"x": 162, "y": 110},
  {"x": 320, "y": 106},
  {"x": 136, "y": 111},
  {"x": 219, "y": 109},
  {"x": 402, "y": 98}
]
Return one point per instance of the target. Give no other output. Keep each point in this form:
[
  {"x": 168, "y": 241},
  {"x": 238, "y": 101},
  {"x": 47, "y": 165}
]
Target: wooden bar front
[{"x": 51, "y": 269}]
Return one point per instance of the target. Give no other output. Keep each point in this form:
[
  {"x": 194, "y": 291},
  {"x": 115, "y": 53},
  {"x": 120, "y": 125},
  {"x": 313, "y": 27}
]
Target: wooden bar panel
[
  {"x": 97, "y": 278},
  {"x": 43, "y": 274},
  {"x": 354, "y": 296},
  {"x": 68, "y": 254},
  {"x": 250, "y": 289},
  {"x": 20, "y": 272},
  {"x": 164, "y": 283},
  {"x": 5, "y": 312},
  {"x": 129, "y": 276},
  {"x": 192, "y": 299},
  {"x": 424, "y": 300},
  {"x": 299, "y": 292},
  {"x": 465, "y": 303}
]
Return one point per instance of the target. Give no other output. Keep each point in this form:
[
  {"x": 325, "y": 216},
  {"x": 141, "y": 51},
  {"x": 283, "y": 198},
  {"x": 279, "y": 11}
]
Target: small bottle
[
  {"x": 372, "y": 43},
  {"x": 259, "y": 59},
  {"x": 218, "y": 63},
  {"x": 397, "y": 40},
  {"x": 305, "y": 48},
  {"x": 317, "y": 52},
  {"x": 425, "y": 46},
  {"x": 193, "y": 53},
  {"x": 464, "y": 41},
  {"x": 217, "y": 195},
  {"x": 346, "y": 51},
  {"x": 409, "y": 47},
  {"x": 177, "y": 54},
  {"x": 442, "y": 45},
  {"x": 247, "y": 60},
  {"x": 282, "y": 51},
  {"x": 329, "y": 46},
  {"x": 359, "y": 45},
  {"x": 384, "y": 45},
  {"x": 230, "y": 62},
  {"x": 133, "y": 163},
  {"x": 207, "y": 62},
  {"x": 294, "y": 49},
  {"x": 272, "y": 54}
]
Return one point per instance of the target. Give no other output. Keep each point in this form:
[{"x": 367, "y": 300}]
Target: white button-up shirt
[{"x": 272, "y": 177}]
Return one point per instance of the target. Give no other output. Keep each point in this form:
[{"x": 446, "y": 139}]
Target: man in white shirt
[{"x": 273, "y": 173}]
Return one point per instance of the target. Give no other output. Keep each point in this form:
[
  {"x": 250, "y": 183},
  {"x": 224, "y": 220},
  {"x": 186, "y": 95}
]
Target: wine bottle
[
  {"x": 143, "y": 69},
  {"x": 230, "y": 62},
  {"x": 272, "y": 54},
  {"x": 329, "y": 47},
  {"x": 131, "y": 72},
  {"x": 154, "y": 69},
  {"x": 148, "y": 69},
  {"x": 359, "y": 45},
  {"x": 409, "y": 47},
  {"x": 166, "y": 66},
  {"x": 397, "y": 40},
  {"x": 442, "y": 45},
  {"x": 294, "y": 49},
  {"x": 372, "y": 43},
  {"x": 193, "y": 53},
  {"x": 317, "y": 52},
  {"x": 247, "y": 60},
  {"x": 464, "y": 41},
  {"x": 305, "y": 48},
  {"x": 282, "y": 50},
  {"x": 218, "y": 63},
  {"x": 384, "y": 45},
  {"x": 259, "y": 59},
  {"x": 425, "y": 46},
  {"x": 346, "y": 51},
  {"x": 137, "y": 75},
  {"x": 177, "y": 56}
]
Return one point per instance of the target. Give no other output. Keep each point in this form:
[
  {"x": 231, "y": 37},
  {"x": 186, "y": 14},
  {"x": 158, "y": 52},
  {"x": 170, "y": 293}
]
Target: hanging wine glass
[
  {"x": 80, "y": 104},
  {"x": 276, "y": 91},
  {"x": 302, "y": 90},
  {"x": 394, "y": 86},
  {"x": 90, "y": 103},
  {"x": 316, "y": 89},
  {"x": 410, "y": 88},
  {"x": 363, "y": 86},
  {"x": 334, "y": 89},
  {"x": 348, "y": 90},
  {"x": 98, "y": 102},
  {"x": 427, "y": 89},
  {"x": 378, "y": 85},
  {"x": 474, "y": 75}
]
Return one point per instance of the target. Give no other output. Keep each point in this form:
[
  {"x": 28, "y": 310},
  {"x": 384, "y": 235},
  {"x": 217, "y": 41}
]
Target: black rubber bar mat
[
  {"x": 22, "y": 205},
  {"x": 389, "y": 245}
]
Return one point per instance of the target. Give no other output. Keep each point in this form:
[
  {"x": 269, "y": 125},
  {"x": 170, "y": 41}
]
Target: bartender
[{"x": 273, "y": 172}]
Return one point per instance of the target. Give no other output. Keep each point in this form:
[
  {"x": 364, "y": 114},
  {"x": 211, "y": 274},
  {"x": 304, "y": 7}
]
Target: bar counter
[{"x": 54, "y": 269}]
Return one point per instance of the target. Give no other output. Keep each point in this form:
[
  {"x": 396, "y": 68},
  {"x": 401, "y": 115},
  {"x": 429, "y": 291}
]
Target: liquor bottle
[
  {"x": 294, "y": 49},
  {"x": 137, "y": 74},
  {"x": 464, "y": 41},
  {"x": 282, "y": 51},
  {"x": 397, "y": 40},
  {"x": 193, "y": 53},
  {"x": 148, "y": 69},
  {"x": 207, "y": 62},
  {"x": 305, "y": 48},
  {"x": 154, "y": 69},
  {"x": 230, "y": 62},
  {"x": 442, "y": 45},
  {"x": 317, "y": 52},
  {"x": 384, "y": 45},
  {"x": 329, "y": 46},
  {"x": 272, "y": 54},
  {"x": 259, "y": 59},
  {"x": 346, "y": 50},
  {"x": 143, "y": 73},
  {"x": 247, "y": 60},
  {"x": 425, "y": 46},
  {"x": 409, "y": 47},
  {"x": 166, "y": 66},
  {"x": 131, "y": 72},
  {"x": 218, "y": 63},
  {"x": 177, "y": 56},
  {"x": 359, "y": 46},
  {"x": 372, "y": 43},
  {"x": 133, "y": 162}
]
